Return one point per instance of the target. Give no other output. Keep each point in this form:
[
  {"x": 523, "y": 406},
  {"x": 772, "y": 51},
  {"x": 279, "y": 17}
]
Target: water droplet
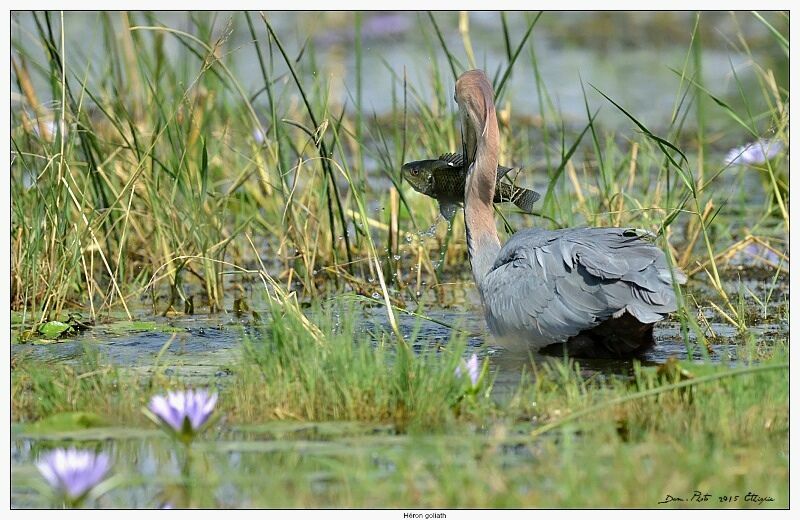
[
  {"x": 376, "y": 295},
  {"x": 409, "y": 238},
  {"x": 371, "y": 280},
  {"x": 396, "y": 257}
]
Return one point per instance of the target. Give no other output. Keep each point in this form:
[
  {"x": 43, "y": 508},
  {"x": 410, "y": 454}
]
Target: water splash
[{"x": 431, "y": 231}]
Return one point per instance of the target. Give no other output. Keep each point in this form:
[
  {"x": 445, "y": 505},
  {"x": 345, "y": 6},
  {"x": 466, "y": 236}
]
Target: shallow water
[
  {"x": 317, "y": 457},
  {"x": 320, "y": 458},
  {"x": 201, "y": 346}
]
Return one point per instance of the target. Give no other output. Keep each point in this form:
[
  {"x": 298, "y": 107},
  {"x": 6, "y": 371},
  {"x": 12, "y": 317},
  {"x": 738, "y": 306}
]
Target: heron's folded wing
[
  {"x": 563, "y": 282},
  {"x": 535, "y": 291},
  {"x": 634, "y": 273}
]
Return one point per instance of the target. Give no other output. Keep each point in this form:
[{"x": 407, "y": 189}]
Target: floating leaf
[
  {"x": 67, "y": 421},
  {"x": 55, "y": 329},
  {"x": 122, "y": 327}
]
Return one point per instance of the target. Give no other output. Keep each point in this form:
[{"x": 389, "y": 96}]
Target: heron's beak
[{"x": 467, "y": 159}]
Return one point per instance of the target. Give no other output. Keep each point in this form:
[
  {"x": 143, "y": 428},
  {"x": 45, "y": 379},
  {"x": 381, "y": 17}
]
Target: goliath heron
[{"x": 596, "y": 291}]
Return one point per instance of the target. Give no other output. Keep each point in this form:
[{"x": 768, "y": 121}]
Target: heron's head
[{"x": 475, "y": 99}]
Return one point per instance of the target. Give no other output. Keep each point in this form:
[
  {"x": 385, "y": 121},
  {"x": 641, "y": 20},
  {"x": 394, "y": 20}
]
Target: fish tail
[{"x": 524, "y": 199}]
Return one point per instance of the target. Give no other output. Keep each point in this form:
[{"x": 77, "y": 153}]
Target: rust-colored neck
[{"x": 482, "y": 143}]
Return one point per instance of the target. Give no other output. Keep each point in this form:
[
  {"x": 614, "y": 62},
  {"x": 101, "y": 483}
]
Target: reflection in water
[{"x": 232, "y": 464}]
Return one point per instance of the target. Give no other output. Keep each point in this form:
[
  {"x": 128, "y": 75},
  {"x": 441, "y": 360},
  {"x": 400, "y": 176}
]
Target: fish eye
[{"x": 415, "y": 170}]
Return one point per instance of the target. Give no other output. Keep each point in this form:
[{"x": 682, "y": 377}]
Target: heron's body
[{"x": 598, "y": 290}]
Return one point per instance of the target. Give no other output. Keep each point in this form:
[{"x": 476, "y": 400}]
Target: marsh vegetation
[{"x": 215, "y": 200}]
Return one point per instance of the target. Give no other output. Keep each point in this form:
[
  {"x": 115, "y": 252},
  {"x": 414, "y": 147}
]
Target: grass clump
[
  {"x": 40, "y": 389},
  {"x": 346, "y": 375}
]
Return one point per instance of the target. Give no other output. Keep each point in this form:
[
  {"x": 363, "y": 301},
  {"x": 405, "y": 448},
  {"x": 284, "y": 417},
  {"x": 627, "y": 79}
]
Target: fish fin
[
  {"x": 524, "y": 199},
  {"x": 453, "y": 159},
  {"x": 448, "y": 210}
]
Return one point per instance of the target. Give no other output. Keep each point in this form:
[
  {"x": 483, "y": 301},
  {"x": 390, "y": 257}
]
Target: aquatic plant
[
  {"x": 472, "y": 368},
  {"x": 567, "y": 423},
  {"x": 184, "y": 414},
  {"x": 757, "y": 152},
  {"x": 73, "y": 473}
]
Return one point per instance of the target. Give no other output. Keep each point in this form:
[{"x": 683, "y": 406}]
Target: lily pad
[
  {"x": 88, "y": 434},
  {"x": 123, "y": 327},
  {"x": 67, "y": 421},
  {"x": 55, "y": 329}
]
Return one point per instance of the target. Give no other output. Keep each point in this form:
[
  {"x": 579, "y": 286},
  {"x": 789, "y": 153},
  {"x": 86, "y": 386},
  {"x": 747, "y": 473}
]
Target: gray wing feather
[{"x": 558, "y": 283}]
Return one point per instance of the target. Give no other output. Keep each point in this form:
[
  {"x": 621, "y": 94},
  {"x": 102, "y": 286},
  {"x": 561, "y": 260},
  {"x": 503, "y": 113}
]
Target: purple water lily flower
[
  {"x": 258, "y": 136},
  {"x": 473, "y": 369},
  {"x": 758, "y": 152},
  {"x": 184, "y": 412},
  {"x": 73, "y": 473}
]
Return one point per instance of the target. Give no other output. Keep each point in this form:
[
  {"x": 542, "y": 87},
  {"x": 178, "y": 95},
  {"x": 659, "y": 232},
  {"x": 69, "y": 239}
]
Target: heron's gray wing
[
  {"x": 514, "y": 298},
  {"x": 558, "y": 283},
  {"x": 634, "y": 271},
  {"x": 533, "y": 292}
]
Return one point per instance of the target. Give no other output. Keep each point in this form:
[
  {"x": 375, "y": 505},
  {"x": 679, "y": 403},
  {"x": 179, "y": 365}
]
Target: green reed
[{"x": 162, "y": 168}]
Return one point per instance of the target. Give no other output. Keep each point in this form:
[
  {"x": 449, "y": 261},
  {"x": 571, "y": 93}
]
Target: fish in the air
[{"x": 444, "y": 178}]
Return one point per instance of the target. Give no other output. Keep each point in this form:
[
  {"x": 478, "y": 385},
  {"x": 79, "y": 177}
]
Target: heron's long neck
[{"x": 482, "y": 240}]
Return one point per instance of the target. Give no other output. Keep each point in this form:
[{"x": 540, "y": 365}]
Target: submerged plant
[
  {"x": 73, "y": 473},
  {"x": 184, "y": 414}
]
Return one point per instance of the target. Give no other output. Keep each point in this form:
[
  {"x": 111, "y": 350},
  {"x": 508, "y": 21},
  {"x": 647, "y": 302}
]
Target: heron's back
[{"x": 548, "y": 286}]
